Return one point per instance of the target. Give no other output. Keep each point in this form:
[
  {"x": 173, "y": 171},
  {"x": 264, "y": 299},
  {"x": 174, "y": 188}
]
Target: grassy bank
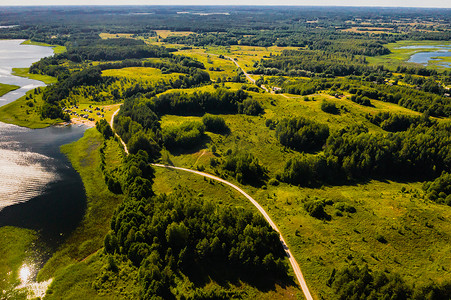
[
  {"x": 101, "y": 203},
  {"x": 6, "y": 88},
  {"x": 56, "y": 49},
  {"x": 24, "y": 72},
  {"x": 26, "y": 112},
  {"x": 14, "y": 246}
]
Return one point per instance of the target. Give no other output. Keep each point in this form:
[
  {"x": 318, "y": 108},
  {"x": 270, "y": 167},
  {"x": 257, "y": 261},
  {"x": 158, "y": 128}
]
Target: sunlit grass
[
  {"x": 6, "y": 88},
  {"x": 101, "y": 203},
  {"x": 24, "y": 72},
  {"x": 56, "y": 49},
  {"x": 26, "y": 113}
]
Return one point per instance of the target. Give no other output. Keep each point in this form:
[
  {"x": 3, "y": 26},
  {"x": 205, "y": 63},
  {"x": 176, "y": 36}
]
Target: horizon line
[{"x": 219, "y": 5}]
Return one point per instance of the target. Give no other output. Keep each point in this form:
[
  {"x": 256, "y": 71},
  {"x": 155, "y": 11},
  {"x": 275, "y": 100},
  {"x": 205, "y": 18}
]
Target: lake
[
  {"x": 425, "y": 57},
  {"x": 40, "y": 189}
]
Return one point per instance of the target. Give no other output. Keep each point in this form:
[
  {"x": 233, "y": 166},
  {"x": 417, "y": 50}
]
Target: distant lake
[
  {"x": 425, "y": 57},
  {"x": 15, "y": 55},
  {"x": 39, "y": 188}
]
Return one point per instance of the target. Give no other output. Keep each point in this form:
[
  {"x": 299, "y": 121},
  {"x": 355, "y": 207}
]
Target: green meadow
[
  {"x": 26, "y": 112},
  {"x": 6, "y": 88},
  {"x": 56, "y": 49},
  {"x": 398, "y": 212},
  {"x": 24, "y": 72}
]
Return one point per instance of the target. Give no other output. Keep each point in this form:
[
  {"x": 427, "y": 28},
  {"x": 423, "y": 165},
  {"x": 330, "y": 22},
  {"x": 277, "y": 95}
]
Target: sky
[{"x": 386, "y": 3}]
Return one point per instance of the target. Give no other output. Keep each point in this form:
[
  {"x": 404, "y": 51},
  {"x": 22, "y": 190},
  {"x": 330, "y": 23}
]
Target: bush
[
  {"x": 273, "y": 181},
  {"x": 439, "y": 190},
  {"x": 329, "y": 107},
  {"x": 365, "y": 101},
  {"x": 214, "y": 124},
  {"x": 250, "y": 107},
  {"x": 315, "y": 208},
  {"x": 381, "y": 239},
  {"x": 302, "y": 134},
  {"x": 345, "y": 207},
  {"x": 185, "y": 136},
  {"x": 246, "y": 168}
]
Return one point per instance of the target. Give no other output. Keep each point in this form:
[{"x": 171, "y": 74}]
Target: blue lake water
[
  {"x": 426, "y": 57},
  {"x": 39, "y": 189}
]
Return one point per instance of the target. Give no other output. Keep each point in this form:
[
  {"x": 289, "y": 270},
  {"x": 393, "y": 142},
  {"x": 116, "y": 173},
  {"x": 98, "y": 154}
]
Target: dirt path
[
  {"x": 201, "y": 154},
  {"x": 293, "y": 261},
  {"x": 245, "y": 73},
  {"x": 111, "y": 124}
]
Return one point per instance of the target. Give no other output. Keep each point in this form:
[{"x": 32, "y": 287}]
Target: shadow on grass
[
  {"x": 190, "y": 150},
  {"x": 225, "y": 275}
]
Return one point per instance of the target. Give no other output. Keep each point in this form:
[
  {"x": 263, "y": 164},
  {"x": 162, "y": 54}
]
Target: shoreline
[{"x": 79, "y": 121}]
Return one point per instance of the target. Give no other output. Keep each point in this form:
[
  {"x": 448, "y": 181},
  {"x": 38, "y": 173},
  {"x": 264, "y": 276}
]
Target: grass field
[
  {"x": 26, "y": 113},
  {"x": 23, "y": 72},
  {"x": 6, "y": 88},
  {"x": 56, "y": 49},
  {"x": 223, "y": 68},
  {"x": 417, "y": 231},
  {"x": 165, "y": 33},
  {"x": 15, "y": 247},
  {"x": 141, "y": 73},
  {"x": 250, "y": 134},
  {"x": 396, "y": 211},
  {"x": 101, "y": 203},
  {"x": 105, "y": 35}
]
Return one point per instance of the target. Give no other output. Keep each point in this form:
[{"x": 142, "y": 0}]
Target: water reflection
[
  {"x": 24, "y": 274},
  {"x": 40, "y": 190},
  {"x": 24, "y": 176}
]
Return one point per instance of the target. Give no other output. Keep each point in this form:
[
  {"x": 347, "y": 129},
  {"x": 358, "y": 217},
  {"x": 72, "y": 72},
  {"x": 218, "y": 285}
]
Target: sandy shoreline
[{"x": 81, "y": 121}]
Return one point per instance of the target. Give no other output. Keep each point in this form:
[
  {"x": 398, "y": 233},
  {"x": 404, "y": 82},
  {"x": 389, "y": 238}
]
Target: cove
[{"x": 39, "y": 190}]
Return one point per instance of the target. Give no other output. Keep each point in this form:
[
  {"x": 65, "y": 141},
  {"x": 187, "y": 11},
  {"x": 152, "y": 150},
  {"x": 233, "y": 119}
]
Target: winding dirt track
[
  {"x": 111, "y": 124},
  {"x": 293, "y": 261}
]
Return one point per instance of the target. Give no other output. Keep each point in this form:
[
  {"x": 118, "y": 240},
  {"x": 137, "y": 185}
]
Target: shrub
[
  {"x": 302, "y": 134},
  {"x": 185, "y": 136},
  {"x": 329, "y": 107},
  {"x": 315, "y": 208},
  {"x": 214, "y": 124},
  {"x": 345, "y": 207},
  {"x": 250, "y": 107},
  {"x": 246, "y": 168}
]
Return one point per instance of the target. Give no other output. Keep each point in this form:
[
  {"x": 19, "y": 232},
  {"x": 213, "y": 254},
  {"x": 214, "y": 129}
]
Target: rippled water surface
[{"x": 39, "y": 189}]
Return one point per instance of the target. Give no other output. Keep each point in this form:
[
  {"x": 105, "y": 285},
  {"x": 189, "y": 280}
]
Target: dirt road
[{"x": 293, "y": 261}]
